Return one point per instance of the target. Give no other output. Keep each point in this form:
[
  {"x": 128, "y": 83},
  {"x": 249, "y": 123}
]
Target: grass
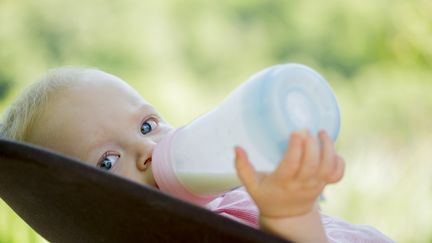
[{"x": 14, "y": 229}]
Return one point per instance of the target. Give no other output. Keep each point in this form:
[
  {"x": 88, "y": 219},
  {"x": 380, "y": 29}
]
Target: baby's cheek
[{"x": 128, "y": 175}]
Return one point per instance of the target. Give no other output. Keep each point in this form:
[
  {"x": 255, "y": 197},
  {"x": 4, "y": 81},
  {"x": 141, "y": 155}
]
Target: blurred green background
[{"x": 185, "y": 56}]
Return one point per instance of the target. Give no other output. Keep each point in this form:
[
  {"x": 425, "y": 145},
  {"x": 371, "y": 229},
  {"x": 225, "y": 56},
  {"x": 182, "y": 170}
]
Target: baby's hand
[{"x": 293, "y": 187}]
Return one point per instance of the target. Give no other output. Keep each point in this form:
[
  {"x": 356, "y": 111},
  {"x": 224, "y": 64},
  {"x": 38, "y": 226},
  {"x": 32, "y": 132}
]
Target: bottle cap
[{"x": 163, "y": 169}]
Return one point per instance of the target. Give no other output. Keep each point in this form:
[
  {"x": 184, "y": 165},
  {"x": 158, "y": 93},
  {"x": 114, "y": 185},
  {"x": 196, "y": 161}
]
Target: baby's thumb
[{"x": 245, "y": 170}]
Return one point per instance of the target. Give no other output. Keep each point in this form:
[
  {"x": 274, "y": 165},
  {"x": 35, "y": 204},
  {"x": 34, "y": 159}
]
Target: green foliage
[
  {"x": 185, "y": 56},
  {"x": 5, "y": 85}
]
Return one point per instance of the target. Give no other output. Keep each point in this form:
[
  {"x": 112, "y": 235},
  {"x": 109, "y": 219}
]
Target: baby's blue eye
[
  {"x": 108, "y": 162},
  {"x": 148, "y": 126}
]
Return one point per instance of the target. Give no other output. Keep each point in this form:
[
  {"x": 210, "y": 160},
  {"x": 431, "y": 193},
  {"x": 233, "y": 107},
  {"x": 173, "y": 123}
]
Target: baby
[{"x": 99, "y": 119}]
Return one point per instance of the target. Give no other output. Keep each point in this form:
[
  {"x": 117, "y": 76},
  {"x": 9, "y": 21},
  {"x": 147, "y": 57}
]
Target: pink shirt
[{"x": 238, "y": 206}]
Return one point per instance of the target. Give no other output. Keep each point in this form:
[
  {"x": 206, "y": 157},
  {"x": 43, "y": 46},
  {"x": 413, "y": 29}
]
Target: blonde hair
[{"x": 19, "y": 118}]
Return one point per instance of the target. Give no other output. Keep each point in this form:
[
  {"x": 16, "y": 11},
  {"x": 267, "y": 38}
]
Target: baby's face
[{"x": 105, "y": 123}]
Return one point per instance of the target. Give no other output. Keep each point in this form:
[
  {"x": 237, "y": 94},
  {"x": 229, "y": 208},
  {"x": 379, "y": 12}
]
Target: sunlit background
[{"x": 184, "y": 56}]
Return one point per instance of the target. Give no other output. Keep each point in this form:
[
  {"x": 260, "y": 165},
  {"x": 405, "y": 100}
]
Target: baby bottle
[{"x": 196, "y": 162}]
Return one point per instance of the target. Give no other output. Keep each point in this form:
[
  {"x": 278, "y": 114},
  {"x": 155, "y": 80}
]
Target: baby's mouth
[{"x": 147, "y": 163}]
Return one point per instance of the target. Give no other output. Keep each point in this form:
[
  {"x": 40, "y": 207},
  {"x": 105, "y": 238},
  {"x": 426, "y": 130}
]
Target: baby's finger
[
  {"x": 310, "y": 162},
  {"x": 245, "y": 170},
  {"x": 327, "y": 154},
  {"x": 290, "y": 163},
  {"x": 338, "y": 171}
]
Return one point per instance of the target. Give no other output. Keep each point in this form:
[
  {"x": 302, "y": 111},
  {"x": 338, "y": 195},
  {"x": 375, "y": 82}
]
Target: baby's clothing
[{"x": 239, "y": 206}]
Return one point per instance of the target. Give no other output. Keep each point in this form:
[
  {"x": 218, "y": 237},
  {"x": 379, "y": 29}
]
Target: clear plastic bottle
[{"x": 196, "y": 162}]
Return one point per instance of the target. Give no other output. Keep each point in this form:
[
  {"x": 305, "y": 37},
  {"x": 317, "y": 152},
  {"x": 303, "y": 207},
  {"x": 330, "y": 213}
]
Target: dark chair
[{"x": 68, "y": 201}]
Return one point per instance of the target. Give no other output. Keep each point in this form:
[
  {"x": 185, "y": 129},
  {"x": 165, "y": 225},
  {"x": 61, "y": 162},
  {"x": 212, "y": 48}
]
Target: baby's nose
[
  {"x": 143, "y": 163},
  {"x": 144, "y": 155}
]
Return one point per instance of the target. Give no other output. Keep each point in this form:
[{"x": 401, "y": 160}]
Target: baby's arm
[{"x": 286, "y": 197}]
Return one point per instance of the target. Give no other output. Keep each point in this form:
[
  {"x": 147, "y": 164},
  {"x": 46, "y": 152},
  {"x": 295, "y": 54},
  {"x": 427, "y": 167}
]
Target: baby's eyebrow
[
  {"x": 148, "y": 109},
  {"x": 92, "y": 153}
]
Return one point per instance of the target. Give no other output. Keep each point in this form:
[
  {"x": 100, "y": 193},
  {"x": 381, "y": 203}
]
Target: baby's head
[{"x": 90, "y": 115}]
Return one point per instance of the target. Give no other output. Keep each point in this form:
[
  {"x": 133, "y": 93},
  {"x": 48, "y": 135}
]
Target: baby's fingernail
[
  {"x": 304, "y": 132},
  {"x": 238, "y": 149},
  {"x": 295, "y": 136}
]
